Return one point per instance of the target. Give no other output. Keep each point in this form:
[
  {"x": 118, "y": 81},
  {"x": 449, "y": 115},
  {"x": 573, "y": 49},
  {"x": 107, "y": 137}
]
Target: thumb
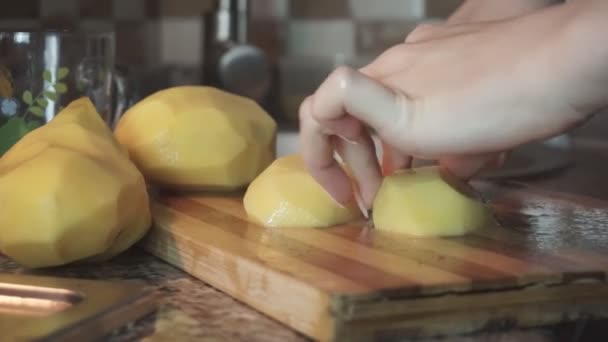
[
  {"x": 427, "y": 32},
  {"x": 385, "y": 110}
]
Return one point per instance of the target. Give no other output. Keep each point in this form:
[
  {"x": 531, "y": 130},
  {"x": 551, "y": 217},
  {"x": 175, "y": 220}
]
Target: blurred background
[{"x": 275, "y": 51}]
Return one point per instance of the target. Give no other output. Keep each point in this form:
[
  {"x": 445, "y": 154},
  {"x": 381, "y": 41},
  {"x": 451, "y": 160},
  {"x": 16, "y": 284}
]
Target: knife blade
[
  {"x": 357, "y": 195},
  {"x": 361, "y": 205}
]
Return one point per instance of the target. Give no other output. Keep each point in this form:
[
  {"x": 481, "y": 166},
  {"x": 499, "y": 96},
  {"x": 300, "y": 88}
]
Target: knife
[{"x": 360, "y": 204}]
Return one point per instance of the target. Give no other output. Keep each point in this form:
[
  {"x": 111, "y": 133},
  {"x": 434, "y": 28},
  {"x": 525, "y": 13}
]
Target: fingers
[
  {"x": 318, "y": 154},
  {"x": 467, "y": 167},
  {"x": 395, "y": 58},
  {"x": 344, "y": 98},
  {"x": 393, "y": 160},
  {"x": 349, "y": 91},
  {"x": 388, "y": 63},
  {"x": 427, "y": 32},
  {"x": 360, "y": 156},
  {"x": 420, "y": 33}
]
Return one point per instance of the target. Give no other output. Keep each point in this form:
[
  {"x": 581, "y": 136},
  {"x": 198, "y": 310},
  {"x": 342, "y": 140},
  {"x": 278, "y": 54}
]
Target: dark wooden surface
[
  {"x": 588, "y": 176},
  {"x": 547, "y": 236},
  {"x": 192, "y": 310}
]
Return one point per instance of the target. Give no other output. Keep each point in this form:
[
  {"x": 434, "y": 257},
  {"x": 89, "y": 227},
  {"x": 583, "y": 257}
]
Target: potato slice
[
  {"x": 427, "y": 202},
  {"x": 198, "y": 138},
  {"x": 286, "y": 196}
]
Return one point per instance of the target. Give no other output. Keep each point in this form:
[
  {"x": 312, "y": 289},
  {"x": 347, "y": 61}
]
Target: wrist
[{"x": 581, "y": 54}]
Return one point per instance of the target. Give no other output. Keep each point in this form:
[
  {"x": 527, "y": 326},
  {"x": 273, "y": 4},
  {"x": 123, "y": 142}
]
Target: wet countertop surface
[{"x": 191, "y": 310}]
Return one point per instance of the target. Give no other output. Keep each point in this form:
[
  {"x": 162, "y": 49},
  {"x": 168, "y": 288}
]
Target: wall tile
[
  {"x": 387, "y": 9},
  {"x": 321, "y": 37},
  {"x": 59, "y": 8},
  {"x": 96, "y": 25},
  {"x": 270, "y": 9},
  {"x": 19, "y": 24},
  {"x": 441, "y": 8},
  {"x": 137, "y": 43},
  {"x": 153, "y": 8},
  {"x": 96, "y": 8},
  {"x": 319, "y": 9},
  {"x": 170, "y": 31},
  {"x": 373, "y": 37},
  {"x": 184, "y": 8},
  {"x": 268, "y": 35},
  {"x": 27, "y": 9},
  {"x": 129, "y": 9},
  {"x": 181, "y": 41}
]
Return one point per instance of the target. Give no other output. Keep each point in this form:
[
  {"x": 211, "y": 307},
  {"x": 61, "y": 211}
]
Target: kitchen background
[{"x": 166, "y": 42}]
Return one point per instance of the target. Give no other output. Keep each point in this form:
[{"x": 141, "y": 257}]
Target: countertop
[{"x": 190, "y": 310}]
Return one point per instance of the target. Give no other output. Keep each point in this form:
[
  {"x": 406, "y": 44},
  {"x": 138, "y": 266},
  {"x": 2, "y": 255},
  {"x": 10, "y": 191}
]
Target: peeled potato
[
  {"x": 197, "y": 137},
  {"x": 69, "y": 193},
  {"x": 286, "y": 196},
  {"x": 425, "y": 202}
]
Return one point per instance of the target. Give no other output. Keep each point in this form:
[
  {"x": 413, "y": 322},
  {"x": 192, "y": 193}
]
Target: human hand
[{"x": 457, "y": 94}]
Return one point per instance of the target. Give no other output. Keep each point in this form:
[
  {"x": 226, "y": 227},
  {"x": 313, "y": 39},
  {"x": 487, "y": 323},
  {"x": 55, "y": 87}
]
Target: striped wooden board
[{"x": 545, "y": 262}]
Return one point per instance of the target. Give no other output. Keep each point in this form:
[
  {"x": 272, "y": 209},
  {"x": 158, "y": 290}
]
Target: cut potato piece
[
  {"x": 70, "y": 193},
  {"x": 425, "y": 202},
  {"x": 198, "y": 138},
  {"x": 286, "y": 196}
]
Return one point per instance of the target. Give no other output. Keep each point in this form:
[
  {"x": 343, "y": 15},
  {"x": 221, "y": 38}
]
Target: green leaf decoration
[
  {"x": 50, "y": 95},
  {"x": 27, "y": 97},
  {"x": 32, "y": 125},
  {"x": 11, "y": 132},
  {"x": 62, "y": 73},
  {"x": 46, "y": 75},
  {"x": 39, "y": 112},
  {"x": 80, "y": 86},
  {"x": 42, "y": 102},
  {"x": 61, "y": 88}
]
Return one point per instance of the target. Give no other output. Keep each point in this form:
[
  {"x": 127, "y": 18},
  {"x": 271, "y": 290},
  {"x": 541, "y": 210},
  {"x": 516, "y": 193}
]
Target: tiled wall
[
  {"x": 164, "y": 39},
  {"x": 155, "y": 34},
  {"x": 171, "y": 31}
]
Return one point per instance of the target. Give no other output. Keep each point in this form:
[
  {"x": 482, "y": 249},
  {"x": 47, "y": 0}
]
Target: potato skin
[
  {"x": 198, "y": 138},
  {"x": 425, "y": 202},
  {"x": 286, "y": 196},
  {"x": 70, "y": 193}
]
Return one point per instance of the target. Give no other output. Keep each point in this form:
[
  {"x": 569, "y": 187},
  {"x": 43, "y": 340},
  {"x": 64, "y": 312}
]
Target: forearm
[
  {"x": 562, "y": 58},
  {"x": 582, "y": 54},
  {"x": 488, "y": 10}
]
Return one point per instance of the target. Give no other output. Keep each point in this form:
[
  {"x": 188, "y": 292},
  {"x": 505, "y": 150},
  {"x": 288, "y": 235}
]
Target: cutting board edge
[
  {"x": 323, "y": 332},
  {"x": 469, "y": 322},
  {"x": 339, "y": 324},
  {"x": 571, "y": 302},
  {"x": 374, "y": 305}
]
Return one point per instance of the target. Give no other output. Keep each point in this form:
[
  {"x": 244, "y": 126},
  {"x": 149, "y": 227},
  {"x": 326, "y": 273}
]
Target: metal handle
[
  {"x": 125, "y": 93},
  {"x": 120, "y": 84}
]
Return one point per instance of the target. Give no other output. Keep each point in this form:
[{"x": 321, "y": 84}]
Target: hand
[{"x": 460, "y": 93}]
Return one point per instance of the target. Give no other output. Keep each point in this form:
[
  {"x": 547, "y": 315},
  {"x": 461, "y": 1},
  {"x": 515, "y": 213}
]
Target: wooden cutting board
[{"x": 544, "y": 263}]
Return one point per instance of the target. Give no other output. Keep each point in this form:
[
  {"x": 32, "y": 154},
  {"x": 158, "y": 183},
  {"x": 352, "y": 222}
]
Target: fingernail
[
  {"x": 337, "y": 202},
  {"x": 342, "y": 203},
  {"x": 352, "y": 142},
  {"x": 361, "y": 205}
]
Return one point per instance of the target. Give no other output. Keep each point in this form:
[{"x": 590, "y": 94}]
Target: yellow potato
[
  {"x": 197, "y": 137},
  {"x": 286, "y": 196},
  {"x": 70, "y": 193},
  {"x": 425, "y": 202}
]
